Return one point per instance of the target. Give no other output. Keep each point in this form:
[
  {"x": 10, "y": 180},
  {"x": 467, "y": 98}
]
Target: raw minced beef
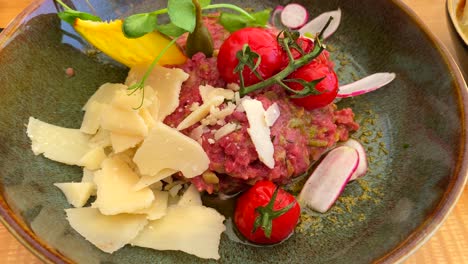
[{"x": 299, "y": 136}]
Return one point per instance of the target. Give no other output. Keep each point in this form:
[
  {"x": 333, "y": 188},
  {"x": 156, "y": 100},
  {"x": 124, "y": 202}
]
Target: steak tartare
[{"x": 299, "y": 136}]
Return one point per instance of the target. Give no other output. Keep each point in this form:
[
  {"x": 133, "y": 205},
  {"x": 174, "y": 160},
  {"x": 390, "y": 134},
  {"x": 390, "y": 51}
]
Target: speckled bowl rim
[
  {"x": 452, "y": 10},
  {"x": 422, "y": 234}
]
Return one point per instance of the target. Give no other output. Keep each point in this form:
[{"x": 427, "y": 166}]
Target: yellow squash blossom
[{"x": 109, "y": 38}]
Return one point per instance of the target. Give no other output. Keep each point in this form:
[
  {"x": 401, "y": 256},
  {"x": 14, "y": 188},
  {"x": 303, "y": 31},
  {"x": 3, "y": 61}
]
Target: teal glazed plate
[{"x": 413, "y": 129}]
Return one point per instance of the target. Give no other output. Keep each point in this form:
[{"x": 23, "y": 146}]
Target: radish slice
[
  {"x": 329, "y": 179},
  {"x": 362, "y": 166},
  {"x": 317, "y": 24},
  {"x": 365, "y": 85},
  {"x": 275, "y": 19},
  {"x": 294, "y": 16}
]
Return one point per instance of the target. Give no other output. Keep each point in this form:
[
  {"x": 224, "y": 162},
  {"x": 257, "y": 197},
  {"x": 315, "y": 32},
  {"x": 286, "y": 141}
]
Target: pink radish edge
[
  {"x": 275, "y": 18},
  {"x": 294, "y": 16},
  {"x": 329, "y": 179},
  {"x": 361, "y": 169},
  {"x": 365, "y": 85},
  {"x": 316, "y": 24}
]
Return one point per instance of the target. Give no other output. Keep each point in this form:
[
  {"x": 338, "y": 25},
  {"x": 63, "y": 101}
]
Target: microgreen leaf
[
  {"x": 138, "y": 25},
  {"x": 70, "y": 16},
  {"x": 182, "y": 14},
  {"x": 170, "y": 30},
  {"x": 233, "y": 22}
]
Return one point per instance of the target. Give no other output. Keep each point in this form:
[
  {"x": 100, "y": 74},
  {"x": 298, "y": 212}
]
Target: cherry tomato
[
  {"x": 261, "y": 41},
  {"x": 274, "y": 210},
  {"x": 328, "y": 86},
  {"x": 306, "y": 44}
]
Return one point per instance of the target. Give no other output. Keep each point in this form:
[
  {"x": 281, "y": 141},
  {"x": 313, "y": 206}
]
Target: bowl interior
[{"x": 412, "y": 130}]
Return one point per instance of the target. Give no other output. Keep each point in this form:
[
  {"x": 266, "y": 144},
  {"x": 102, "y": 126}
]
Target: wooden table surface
[{"x": 448, "y": 245}]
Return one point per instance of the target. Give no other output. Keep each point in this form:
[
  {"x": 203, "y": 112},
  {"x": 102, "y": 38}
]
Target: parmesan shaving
[
  {"x": 115, "y": 194},
  {"x": 108, "y": 233},
  {"x": 217, "y": 116},
  {"x": 101, "y": 139},
  {"x": 88, "y": 177},
  {"x": 167, "y": 148},
  {"x": 175, "y": 190},
  {"x": 272, "y": 114},
  {"x": 60, "y": 144},
  {"x": 122, "y": 142},
  {"x": 193, "y": 229},
  {"x": 233, "y": 86},
  {"x": 146, "y": 181},
  {"x": 225, "y": 130},
  {"x": 191, "y": 197},
  {"x": 166, "y": 82},
  {"x": 200, "y": 113},
  {"x": 197, "y": 132},
  {"x": 93, "y": 159},
  {"x": 92, "y": 118},
  {"x": 123, "y": 122},
  {"x": 259, "y": 131},
  {"x": 126, "y": 100},
  {"x": 77, "y": 193},
  {"x": 208, "y": 92},
  {"x": 104, "y": 94},
  {"x": 159, "y": 207}
]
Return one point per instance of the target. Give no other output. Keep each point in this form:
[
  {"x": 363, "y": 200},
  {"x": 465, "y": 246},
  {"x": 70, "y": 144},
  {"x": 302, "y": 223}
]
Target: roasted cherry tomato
[
  {"x": 328, "y": 86},
  {"x": 266, "y": 214},
  {"x": 261, "y": 41}
]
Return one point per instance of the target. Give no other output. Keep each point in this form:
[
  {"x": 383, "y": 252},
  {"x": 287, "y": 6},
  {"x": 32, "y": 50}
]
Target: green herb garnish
[
  {"x": 69, "y": 15},
  {"x": 138, "y": 25},
  {"x": 234, "y": 22},
  {"x": 185, "y": 17},
  {"x": 182, "y": 14}
]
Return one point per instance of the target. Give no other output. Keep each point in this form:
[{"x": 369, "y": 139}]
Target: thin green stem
[
  {"x": 156, "y": 60},
  {"x": 160, "y": 11},
  {"x": 63, "y": 5},
  {"x": 141, "y": 83},
  {"x": 229, "y": 6},
  {"x": 288, "y": 51}
]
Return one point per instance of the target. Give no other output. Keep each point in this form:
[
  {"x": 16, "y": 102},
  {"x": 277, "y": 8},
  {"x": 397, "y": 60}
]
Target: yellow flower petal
[{"x": 109, "y": 38}]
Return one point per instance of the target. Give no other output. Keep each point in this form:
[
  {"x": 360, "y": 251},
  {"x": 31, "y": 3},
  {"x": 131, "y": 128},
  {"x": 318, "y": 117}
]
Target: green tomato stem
[
  {"x": 285, "y": 72},
  {"x": 267, "y": 213},
  {"x": 292, "y": 66},
  {"x": 229, "y": 6}
]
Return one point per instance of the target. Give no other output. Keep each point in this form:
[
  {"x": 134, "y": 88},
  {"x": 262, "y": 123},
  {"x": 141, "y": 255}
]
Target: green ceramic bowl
[{"x": 413, "y": 129}]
